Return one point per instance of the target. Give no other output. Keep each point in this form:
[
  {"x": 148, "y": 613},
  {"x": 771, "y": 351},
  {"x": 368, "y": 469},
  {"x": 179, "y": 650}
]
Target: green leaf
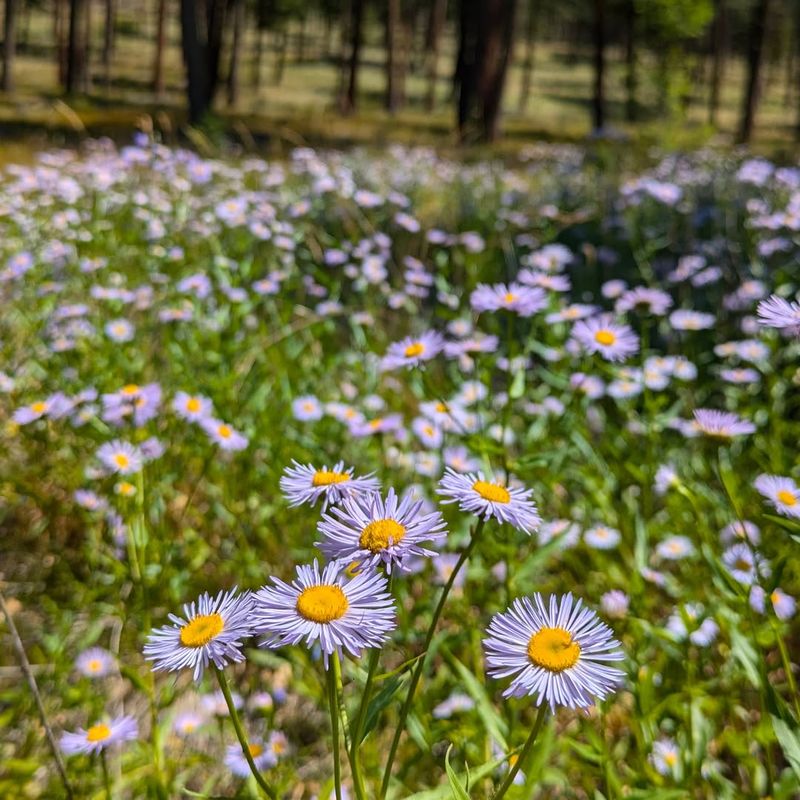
[
  {"x": 517, "y": 385},
  {"x": 378, "y": 703},
  {"x": 789, "y": 741},
  {"x": 459, "y": 792},
  {"x": 744, "y": 653}
]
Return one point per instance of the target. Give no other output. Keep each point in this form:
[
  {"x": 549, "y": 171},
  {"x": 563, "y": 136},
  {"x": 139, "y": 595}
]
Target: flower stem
[
  {"x": 787, "y": 668},
  {"x": 106, "y": 778},
  {"x": 420, "y": 666},
  {"x": 334, "y": 676},
  {"x": 240, "y": 734},
  {"x": 355, "y": 755},
  {"x": 515, "y": 767}
]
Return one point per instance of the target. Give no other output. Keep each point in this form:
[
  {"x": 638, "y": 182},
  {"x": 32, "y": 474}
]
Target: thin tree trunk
[
  {"x": 497, "y": 41},
  {"x": 392, "y": 36},
  {"x": 755, "y": 48},
  {"x": 436, "y": 23},
  {"x": 258, "y": 57},
  {"x": 465, "y": 77},
  {"x": 108, "y": 40},
  {"x": 301, "y": 40},
  {"x": 161, "y": 40},
  {"x": 356, "y": 23},
  {"x": 196, "y": 65},
  {"x": 9, "y": 45},
  {"x": 598, "y": 97},
  {"x": 236, "y": 47},
  {"x": 87, "y": 43},
  {"x": 280, "y": 57},
  {"x": 530, "y": 52},
  {"x": 76, "y": 50},
  {"x": 717, "y": 59},
  {"x": 631, "y": 84}
]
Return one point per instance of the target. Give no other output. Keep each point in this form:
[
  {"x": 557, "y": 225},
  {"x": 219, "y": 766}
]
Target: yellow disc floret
[
  {"x": 553, "y": 649},
  {"x": 322, "y": 604},
  {"x": 98, "y": 733},
  {"x": 324, "y": 477},
  {"x": 414, "y": 350},
  {"x": 378, "y": 534},
  {"x": 492, "y": 492},
  {"x": 605, "y": 337},
  {"x": 201, "y": 630}
]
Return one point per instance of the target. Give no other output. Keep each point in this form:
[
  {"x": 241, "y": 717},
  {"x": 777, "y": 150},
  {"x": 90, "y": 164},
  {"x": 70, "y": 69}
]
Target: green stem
[
  {"x": 420, "y": 666},
  {"x": 334, "y": 675},
  {"x": 515, "y": 767},
  {"x": 240, "y": 734},
  {"x": 106, "y": 778},
  {"x": 787, "y": 668},
  {"x": 355, "y": 755}
]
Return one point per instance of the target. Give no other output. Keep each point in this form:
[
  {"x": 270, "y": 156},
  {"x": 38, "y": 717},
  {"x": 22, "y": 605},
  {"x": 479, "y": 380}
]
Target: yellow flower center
[
  {"x": 121, "y": 460},
  {"x": 671, "y": 759},
  {"x": 255, "y": 750},
  {"x": 605, "y": 337},
  {"x": 322, "y": 603},
  {"x": 225, "y": 431},
  {"x": 278, "y": 748},
  {"x": 742, "y": 565},
  {"x": 129, "y": 389},
  {"x": 97, "y": 733},
  {"x": 323, "y": 477},
  {"x": 553, "y": 649},
  {"x": 94, "y": 665},
  {"x": 774, "y": 597},
  {"x": 192, "y": 405},
  {"x": 492, "y": 492},
  {"x": 375, "y": 423},
  {"x": 414, "y": 350},
  {"x": 201, "y": 630},
  {"x": 509, "y": 297},
  {"x": 786, "y": 497},
  {"x": 377, "y": 535},
  {"x": 441, "y": 408},
  {"x": 125, "y": 488},
  {"x": 39, "y": 408}
]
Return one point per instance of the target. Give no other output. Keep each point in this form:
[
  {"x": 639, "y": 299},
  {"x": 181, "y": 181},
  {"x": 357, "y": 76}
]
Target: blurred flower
[
  {"x": 782, "y": 492},
  {"x": 612, "y": 340},
  {"x": 95, "y": 663},
  {"x": 100, "y": 736},
  {"x": 304, "y": 483}
]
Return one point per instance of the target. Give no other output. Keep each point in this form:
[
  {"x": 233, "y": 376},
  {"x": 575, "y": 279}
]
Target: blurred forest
[{"x": 470, "y": 69}]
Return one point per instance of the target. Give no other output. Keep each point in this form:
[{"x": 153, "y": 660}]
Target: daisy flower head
[
  {"x": 674, "y": 548},
  {"x": 223, "y": 434},
  {"x": 601, "y": 537},
  {"x": 775, "y": 312},
  {"x": 601, "y": 334},
  {"x": 100, "y": 736},
  {"x": 554, "y": 651},
  {"x": 187, "y": 723},
  {"x": 721, "y": 424},
  {"x": 95, "y": 663},
  {"x": 781, "y": 492},
  {"x": 615, "y": 604},
  {"x": 456, "y": 702},
  {"x": 192, "y": 407},
  {"x": 522, "y": 300},
  {"x": 120, "y": 457},
  {"x": 119, "y": 330},
  {"x": 783, "y": 604},
  {"x": 655, "y": 301},
  {"x": 304, "y": 483},
  {"x": 262, "y": 756},
  {"x": 690, "y": 623},
  {"x": 412, "y": 351},
  {"x": 665, "y": 756},
  {"x": 484, "y": 498},
  {"x": 212, "y": 629},
  {"x": 740, "y": 529},
  {"x": 744, "y": 564},
  {"x": 665, "y": 479},
  {"x": 30, "y": 413},
  {"x": 307, "y": 408},
  {"x": 687, "y": 320},
  {"x": 371, "y": 531},
  {"x": 323, "y": 607}
]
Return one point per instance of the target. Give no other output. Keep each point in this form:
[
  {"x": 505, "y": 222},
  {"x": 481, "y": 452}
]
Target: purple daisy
[
  {"x": 223, "y": 434},
  {"x": 372, "y": 531},
  {"x": 100, "y": 736},
  {"x": 263, "y": 758},
  {"x": 477, "y": 495},
  {"x": 211, "y": 630},
  {"x": 523, "y": 300},
  {"x": 95, "y": 663},
  {"x": 655, "y": 301},
  {"x": 304, "y": 483},
  {"x": 614, "y": 341},
  {"x": 554, "y": 652},
  {"x": 721, "y": 424},
  {"x": 121, "y": 457},
  {"x": 783, "y": 493},
  {"x": 192, "y": 407},
  {"x": 687, "y": 320},
  {"x": 413, "y": 350},
  {"x": 776, "y": 312},
  {"x": 326, "y": 608}
]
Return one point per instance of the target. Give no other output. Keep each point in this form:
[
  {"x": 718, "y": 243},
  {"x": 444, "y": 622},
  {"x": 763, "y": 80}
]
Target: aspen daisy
[
  {"x": 523, "y": 300},
  {"x": 721, "y": 424},
  {"x": 372, "y": 531},
  {"x": 783, "y": 493},
  {"x": 413, "y": 350},
  {"x": 121, "y": 457},
  {"x": 100, "y": 736},
  {"x": 484, "y": 498},
  {"x": 95, "y": 663},
  {"x": 612, "y": 340},
  {"x": 263, "y": 758},
  {"x": 192, "y": 407},
  {"x": 304, "y": 483},
  {"x": 211, "y": 630},
  {"x": 554, "y": 651},
  {"x": 223, "y": 434},
  {"x": 323, "y": 607},
  {"x": 775, "y": 312}
]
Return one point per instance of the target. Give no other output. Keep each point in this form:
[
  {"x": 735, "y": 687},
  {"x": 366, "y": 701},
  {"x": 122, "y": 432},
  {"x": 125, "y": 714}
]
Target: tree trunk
[
  {"x": 348, "y": 101},
  {"x": 108, "y": 40},
  {"x": 76, "y": 49},
  {"x": 300, "y": 55},
  {"x": 60, "y": 36},
  {"x": 87, "y": 43},
  {"x": 258, "y": 57},
  {"x": 717, "y": 59},
  {"x": 530, "y": 51},
  {"x": 631, "y": 106},
  {"x": 438, "y": 16},
  {"x": 392, "y": 36},
  {"x": 755, "y": 48},
  {"x": 161, "y": 40},
  {"x": 465, "y": 76},
  {"x": 9, "y": 45},
  {"x": 498, "y": 42},
  {"x": 598, "y": 98},
  {"x": 282, "y": 44},
  {"x": 236, "y": 47},
  {"x": 194, "y": 57}
]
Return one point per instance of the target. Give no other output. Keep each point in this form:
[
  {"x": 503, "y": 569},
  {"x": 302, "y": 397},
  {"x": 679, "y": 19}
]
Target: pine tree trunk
[
  {"x": 76, "y": 48},
  {"x": 755, "y": 48},
  {"x": 236, "y": 48},
  {"x": 196, "y": 65},
  {"x": 717, "y": 59},
  {"x": 161, "y": 40},
  {"x": 108, "y": 40},
  {"x": 530, "y": 52},
  {"x": 392, "y": 36},
  {"x": 280, "y": 57},
  {"x": 598, "y": 97},
  {"x": 87, "y": 43},
  {"x": 258, "y": 57},
  {"x": 60, "y": 37},
  {"x": 438, "y": 16},
  {"x": 631, "y": 84},
  {"x": 497, "y": 41},
  {"x": 349, "y": 99},
  {"x": 9, "y": 45}
]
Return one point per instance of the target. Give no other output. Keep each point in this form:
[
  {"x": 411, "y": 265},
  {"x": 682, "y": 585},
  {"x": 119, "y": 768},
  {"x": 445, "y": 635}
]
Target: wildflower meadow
[{"x": 387, "y": 476}]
